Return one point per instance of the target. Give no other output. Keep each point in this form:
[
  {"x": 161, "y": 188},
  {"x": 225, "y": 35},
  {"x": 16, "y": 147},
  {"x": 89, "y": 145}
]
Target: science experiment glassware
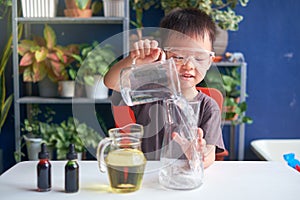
[
  {"x": 125, "y": 162},
  {"x": 182, "y": 166},
  {"x": 149, "y": 82}
]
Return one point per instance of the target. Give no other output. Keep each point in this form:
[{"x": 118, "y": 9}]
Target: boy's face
[{"x": 192, "y": 57}]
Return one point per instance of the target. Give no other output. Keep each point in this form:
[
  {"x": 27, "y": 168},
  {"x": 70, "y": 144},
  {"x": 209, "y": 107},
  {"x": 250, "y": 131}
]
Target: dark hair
[{"x": 190, "y": 21}]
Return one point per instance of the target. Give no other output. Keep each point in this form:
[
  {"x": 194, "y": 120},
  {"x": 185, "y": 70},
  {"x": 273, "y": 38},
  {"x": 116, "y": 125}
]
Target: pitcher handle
[{"x": 100, "y": 153}]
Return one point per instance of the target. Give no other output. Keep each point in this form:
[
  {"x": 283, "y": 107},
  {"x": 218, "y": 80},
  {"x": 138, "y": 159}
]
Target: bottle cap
[
  {"x": 43, "y": 154},
  {"x": 72, "y": 154}
]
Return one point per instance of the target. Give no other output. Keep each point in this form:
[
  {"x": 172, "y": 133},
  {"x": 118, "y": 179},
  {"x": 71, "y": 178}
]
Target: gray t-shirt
[{"x": 151, "y": 116}]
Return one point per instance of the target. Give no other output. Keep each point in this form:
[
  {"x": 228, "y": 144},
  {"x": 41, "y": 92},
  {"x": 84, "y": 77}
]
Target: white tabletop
[{"x": 223, "y": 180}]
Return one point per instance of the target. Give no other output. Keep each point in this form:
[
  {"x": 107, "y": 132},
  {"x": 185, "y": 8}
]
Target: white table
[{"x": 223, "y": 180}]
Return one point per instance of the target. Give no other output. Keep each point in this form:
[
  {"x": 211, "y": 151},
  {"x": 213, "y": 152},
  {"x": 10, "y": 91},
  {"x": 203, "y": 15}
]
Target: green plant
[
  {"x": 140, "y": 6},
  {"x": 228, "y": 80},
  {"x": 95, "y": 60},
  {"x": 5, "y": 7},
  {"x": 31, "y": 125},
  {"x": 5, "y": 103},
  {"x": 221, "y": 11},
  {"x": 60, "y": 136},
  {"x": 42, "y": 57},
  {"x": 83, "y": 4}
]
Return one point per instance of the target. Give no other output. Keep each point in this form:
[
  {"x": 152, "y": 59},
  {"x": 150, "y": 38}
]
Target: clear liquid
[
  {"x": 136, "y": 97},
  {"x": 177, "y": 174},
  {"x": 182, "y": 111},
  {"x": 125, "y": 169}
]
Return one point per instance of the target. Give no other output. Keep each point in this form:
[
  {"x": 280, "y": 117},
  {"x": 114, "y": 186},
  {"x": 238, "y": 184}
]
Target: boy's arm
[{"x": 112, "y": 77}]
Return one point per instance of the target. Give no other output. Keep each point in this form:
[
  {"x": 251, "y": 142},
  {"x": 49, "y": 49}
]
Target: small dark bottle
[
  {"x": 44, "y": 170},
  {"x": 71, "y": 171}
]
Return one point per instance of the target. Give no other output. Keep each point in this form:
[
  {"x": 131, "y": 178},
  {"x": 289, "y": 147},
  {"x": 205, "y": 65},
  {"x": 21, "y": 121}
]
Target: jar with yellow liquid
[{"x": 125, "y": 162}]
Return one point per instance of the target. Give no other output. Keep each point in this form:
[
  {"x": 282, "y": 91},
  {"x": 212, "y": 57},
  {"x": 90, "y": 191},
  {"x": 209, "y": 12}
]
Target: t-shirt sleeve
[{"x": 211, "y": 125}]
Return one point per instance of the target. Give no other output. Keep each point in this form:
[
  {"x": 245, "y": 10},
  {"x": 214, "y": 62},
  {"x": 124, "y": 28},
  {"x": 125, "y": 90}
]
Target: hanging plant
[{"x": 221, "y": 11}]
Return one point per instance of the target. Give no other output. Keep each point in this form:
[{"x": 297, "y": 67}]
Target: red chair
[
  {"x": 123, "y": 115},
  {"x": 213, "y": 93},
  {"x": 218, "y": 97}
]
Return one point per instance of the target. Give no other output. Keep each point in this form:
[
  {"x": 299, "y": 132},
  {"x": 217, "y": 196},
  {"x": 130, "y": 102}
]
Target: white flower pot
[
  {"x": 39, "y": 8},
  {"x": 113, "y": 8},
  {"x": 66, "y": 88},
  {"x": 33, "y": 146},
  {"x": 98, "y": 90}
]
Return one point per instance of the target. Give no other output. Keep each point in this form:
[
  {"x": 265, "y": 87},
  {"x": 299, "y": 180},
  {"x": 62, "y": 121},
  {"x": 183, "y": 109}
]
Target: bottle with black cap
[
  {"x": 71, "y": 171},
  {"x": 44, "y": 170}
]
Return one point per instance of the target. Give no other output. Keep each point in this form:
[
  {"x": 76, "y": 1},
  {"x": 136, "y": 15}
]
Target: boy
[{"x": 189, "y": 44}]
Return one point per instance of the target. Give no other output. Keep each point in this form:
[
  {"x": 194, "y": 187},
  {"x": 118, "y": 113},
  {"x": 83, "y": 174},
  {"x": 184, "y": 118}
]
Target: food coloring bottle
[
  {"x": 71, "y": 171},
  {"x": 44, "y": 170}
]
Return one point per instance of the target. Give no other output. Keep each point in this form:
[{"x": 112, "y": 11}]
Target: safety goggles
[{"x": 201, "y": 58}]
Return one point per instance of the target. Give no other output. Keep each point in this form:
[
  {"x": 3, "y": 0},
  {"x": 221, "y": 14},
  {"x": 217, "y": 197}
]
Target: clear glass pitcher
[
  {"x": 149, "y": 82},
  {"x": 125, "y": 162},
  {"x": 182, "y": 166}
]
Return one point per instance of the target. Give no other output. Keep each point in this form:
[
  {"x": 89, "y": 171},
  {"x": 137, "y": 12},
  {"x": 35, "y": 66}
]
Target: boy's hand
[
  {"x": 146, "y": 51},
  {"x": 187, "y": 145}
]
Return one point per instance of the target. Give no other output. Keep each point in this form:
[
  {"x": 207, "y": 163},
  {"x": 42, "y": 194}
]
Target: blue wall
[{"x": 268, "y": 37}]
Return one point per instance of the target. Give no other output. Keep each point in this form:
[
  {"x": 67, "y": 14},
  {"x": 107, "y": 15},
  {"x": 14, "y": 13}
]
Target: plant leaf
[
  {"x": 27, "y": 59},
  {"x": 82, "y": 4},
  {"x": 41, "y": 55},
  {"x": 27, "y": 75},
  {"x": 39, "y": 71},
  {"x": 4, "y": 109},
  {"x": 50, "y": 37},
  {"x": 25, "y": 46}
]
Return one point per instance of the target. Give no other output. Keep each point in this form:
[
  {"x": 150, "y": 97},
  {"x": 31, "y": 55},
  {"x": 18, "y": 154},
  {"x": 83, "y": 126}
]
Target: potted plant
[
  {"x": 222, "y": 12},
  {"x": 39, "y": 127},
  {"x": 66, "y": 87},
  {"x": 96, "y": 61},
  {"x": 78, "y": 8},
  {"x": 43, "y": 59},
  {"x": 229, "y": 82},
  {"x": 71, "y": 131},
  {"x": 31, "y": 131}
]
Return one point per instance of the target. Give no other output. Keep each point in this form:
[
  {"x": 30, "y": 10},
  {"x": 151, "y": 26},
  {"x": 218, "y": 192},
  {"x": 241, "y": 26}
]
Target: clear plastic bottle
[
  {"x": 71, "y": 171},
  {"x": 44, "y": 170}
]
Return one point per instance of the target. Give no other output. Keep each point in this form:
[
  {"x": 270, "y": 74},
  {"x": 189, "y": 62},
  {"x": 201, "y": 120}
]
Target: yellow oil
[{"x": 125, "y": 169}]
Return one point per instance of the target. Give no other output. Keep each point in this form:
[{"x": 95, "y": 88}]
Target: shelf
[
  {"x": 79, "y": 100},
  {"x": 82, "y": 102},
  {"x": 71, "y": 20},
  {"x": 226, "y": 122},
  {"x": 227, "y": 64}
]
